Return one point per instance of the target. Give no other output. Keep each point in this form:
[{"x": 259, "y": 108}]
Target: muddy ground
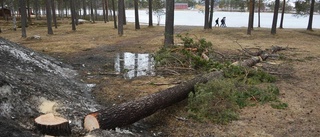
[{"x": 93, "y": 47}]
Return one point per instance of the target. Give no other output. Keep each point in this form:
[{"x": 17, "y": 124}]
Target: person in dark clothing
[
  {"x": 223, "y": 22},
  {"x": 217, "y": 22}
]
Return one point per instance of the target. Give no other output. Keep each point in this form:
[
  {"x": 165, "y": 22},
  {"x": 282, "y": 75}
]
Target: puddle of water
[{"x": 134, "y": 65}]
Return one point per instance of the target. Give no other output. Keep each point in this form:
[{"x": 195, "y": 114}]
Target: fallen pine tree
[{"x": 130, "y": 112}]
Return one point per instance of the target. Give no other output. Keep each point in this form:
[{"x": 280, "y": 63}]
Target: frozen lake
[{"x": 233, "y": 19}]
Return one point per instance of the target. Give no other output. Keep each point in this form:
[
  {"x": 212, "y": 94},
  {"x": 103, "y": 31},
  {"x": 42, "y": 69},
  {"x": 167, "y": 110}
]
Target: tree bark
[
  {"x": 73, "y": 23},
  {"x": 282, "y": 13},
  {"x": 23, "y": 18},
  {"x": 150, "y": 13},
  {"x": 250, "y": 22},
  {"x": 120, "y": 17},
  {"x": 311, "y": 15},
  {"x": 169, "y": 24},
  {"x": 114, "y": 14},
  {"x": 130, "y": 112},
  {"x": 54, "y": 15},
  {"x": 206, "y": 14},
  {"x": 211, "y": 13},
  {"x": 275, "y": 18},
  {"x": 136, "y": 14},
  {"x": 49, "y": 17}
]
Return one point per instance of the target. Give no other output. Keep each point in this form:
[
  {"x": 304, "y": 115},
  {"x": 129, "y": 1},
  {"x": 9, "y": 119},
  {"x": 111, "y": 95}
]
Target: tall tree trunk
[
  {"x": 91, "y": 13},
  {"x": 72, "y": 15},
  {"x": 311, "y": 15},
  {"x": 95, "y": 10},
  {"x": 54, "y": 15},
  {"x": 114, "y": 14},
  {"x": 36, "y": 8},
  {"x": 275, "y": 17},
  {"x": 169, "y": 24},
  {"x": 150, "y": 13},
  {"x": 104, "y": 11},
  {"x": 252, "y": 15},
  {"x": 124, "y": 15},
  {"x": 107, "y": 10},
  {"x": 206, "y": 14},
  {"x": 2, "y": 8},
  {"x": 66, "y": 7},
  {"x": 49, "y": 16},
  {"x": 29, "y": 12},
  {"x": 120, "y": 17},
  {"x": 282, "y": 13},
  {"x": 136, "y": 13},
  {"x": 14, "y": 19},
  {"x": 23, "y": 18},
  {"x": 211, "y": 13},
  {"x": 84, "y": 8},
  {"x": 250, "y": 22},
  {"x": 259, "y": 10}
]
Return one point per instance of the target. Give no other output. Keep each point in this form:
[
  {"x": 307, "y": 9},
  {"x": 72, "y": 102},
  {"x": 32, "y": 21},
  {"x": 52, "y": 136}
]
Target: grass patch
[{"x": 219, "y": 101}]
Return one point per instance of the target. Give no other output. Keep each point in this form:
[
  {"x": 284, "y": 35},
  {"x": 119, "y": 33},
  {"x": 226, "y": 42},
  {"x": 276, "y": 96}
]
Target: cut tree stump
[
  {"x": 49, "y": 124},
  {"x": 130, "y": 112}
]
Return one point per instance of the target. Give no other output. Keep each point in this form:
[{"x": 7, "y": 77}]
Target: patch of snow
[
  {"x": 41, "y": 62},
  {"x": 118, "y": 130},
  {"x": 5, "y": 90},
  {"x": 47, "y": 106}
]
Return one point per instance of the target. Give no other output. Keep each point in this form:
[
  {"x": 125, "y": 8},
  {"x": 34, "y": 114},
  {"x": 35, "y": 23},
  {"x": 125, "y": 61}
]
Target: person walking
[
  {"x": 223, "y": 22},
  {"x": 217, "y": 22}
]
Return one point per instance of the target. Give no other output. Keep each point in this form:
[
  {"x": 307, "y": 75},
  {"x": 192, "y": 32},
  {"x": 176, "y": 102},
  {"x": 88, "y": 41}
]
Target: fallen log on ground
[
  {"x": 130, "y": 112},
  {"x": 261, "y": 56}
]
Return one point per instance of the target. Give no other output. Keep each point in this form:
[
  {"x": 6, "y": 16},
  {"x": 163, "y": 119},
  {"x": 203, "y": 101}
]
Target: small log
[
  {"x": 130, "y": 112},
  {"x": 261, "y": 56},
  {"x": 52, "y": 125}
]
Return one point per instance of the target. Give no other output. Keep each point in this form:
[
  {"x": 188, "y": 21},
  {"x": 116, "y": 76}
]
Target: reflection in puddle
[{"x": 134, "y": 65}]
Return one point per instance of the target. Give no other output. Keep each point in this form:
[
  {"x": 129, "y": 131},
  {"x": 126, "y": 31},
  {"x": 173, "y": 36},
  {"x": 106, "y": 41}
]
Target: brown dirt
[{"x": 95, "y": 45}]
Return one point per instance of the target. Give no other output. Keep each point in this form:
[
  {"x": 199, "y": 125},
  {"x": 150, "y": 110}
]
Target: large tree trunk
[
  {"x": 150, "y": 13},
  {"x": 114, "y": 14},
  {"x": 49, "y": 17},
  {"x": 54, "y": 15},
  {"x": 120, "y": 17},
  {"x": 311, "y": 15},
  {"x": 275, "y": 18},
  {"x": 130, "y": 112},
  {"x": 206, "y": 15},
  {"x": 169, "y": 24},
  {"x": 282, "y": 13},
  {"x": 211, "y": 13},
  {"x": 136, "y": 14},
  {"x": 23, "y": 18},
  {"x": 250, "y": 22}
]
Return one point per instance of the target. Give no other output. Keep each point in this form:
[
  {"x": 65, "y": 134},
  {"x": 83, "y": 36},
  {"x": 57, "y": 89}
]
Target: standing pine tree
[
  {"x": 169, "y": 26},
  {"x": 275, "y": 17}
]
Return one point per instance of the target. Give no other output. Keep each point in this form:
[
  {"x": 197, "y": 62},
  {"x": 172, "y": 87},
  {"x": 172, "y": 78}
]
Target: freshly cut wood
[
  {"x": 261, "y": 56},
  {"x": 130, "y": 112},
  {"x": 52, "y": 125}
]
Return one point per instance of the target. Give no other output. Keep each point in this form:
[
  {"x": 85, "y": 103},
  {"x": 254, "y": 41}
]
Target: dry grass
[{"x": 300, "y": 90}]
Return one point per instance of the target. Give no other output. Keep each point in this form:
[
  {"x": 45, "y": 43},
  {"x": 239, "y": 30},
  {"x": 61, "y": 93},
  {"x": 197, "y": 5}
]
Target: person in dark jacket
[
  {"x": 217, "y": 22},
  {"x": 223, "y": 22}
]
